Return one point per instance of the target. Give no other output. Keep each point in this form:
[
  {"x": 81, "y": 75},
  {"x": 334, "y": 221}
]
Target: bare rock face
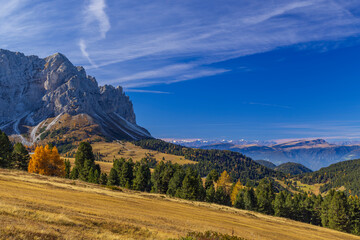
[{"x": 34, "y": 89}]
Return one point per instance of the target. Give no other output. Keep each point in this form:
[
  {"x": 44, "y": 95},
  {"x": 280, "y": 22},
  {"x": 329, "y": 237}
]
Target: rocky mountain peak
[{"x": 33, "y": 89}]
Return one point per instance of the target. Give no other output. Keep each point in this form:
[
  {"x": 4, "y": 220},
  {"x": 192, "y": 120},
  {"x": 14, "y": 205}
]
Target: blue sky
[{"x": 209, "y": 69}]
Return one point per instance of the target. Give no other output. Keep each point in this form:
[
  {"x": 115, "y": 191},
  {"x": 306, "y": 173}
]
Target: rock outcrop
[{"x": 33, "y": 89}]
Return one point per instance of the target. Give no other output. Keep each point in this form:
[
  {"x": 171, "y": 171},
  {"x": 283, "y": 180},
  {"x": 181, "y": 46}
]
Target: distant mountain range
[
  {"x": 313, "y": 154},
  {"x": 42, "y": 98}
]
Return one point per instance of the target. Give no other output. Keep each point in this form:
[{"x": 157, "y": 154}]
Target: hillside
[
  {"x": 313, "y": 154},
  {"x": 107, "y": 151},
  {"x": 267, "y": 164},
  {"x": 292, "y": 168},
  {"x": 236, "y": 164},
  {"x": 34, "y": 206},
  {"x": 339, "y": 175}
]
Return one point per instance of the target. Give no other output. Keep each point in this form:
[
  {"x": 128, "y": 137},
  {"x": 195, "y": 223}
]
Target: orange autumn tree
[{"x": 46, "y": 161}]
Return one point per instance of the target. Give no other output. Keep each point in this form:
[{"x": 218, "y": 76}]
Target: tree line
[{"x": 236, "y": 164}]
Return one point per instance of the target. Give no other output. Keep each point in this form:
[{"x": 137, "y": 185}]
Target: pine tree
[
  {"x": 210, "y": 194},
  {"x": 20, "y": 157},
  {"x": 191, "y": 187},
  {"x": 67, "y": 168},
  {"x": 126, "y": 174},
  {"x": 142, "y": 178},
  {"x": 6, "y": 149},
  {"x": 239, "y": 200},
  {"x": 85, "y": 167},
  {"x": 103, "y": 179},
  {"x": 354, "y": 210},
  {"x": 113, "y": 178},
  {"x": 222, "y": 197},
  {"x": 338, "y": 212},
  {"x": 280, "y": 204},
  {"x": 212, "y": 177},
  {"x": 84, "y": 152},
  {"x": 265, "y": 196},
  {"x": 176, "y": 181},
  {"x": 250, "y": 202}
]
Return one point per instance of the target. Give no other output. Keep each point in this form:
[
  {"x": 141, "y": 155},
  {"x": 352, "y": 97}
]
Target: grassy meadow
[{"x": 41, "y": 207}]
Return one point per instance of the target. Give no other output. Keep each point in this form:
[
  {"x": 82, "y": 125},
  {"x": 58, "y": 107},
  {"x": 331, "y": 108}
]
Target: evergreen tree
[
  {"x": 6, "y": 149},
  {"x": 126, "y": 174},
  {"x": 250, "y": 199},
  {"x": 113, "y": 178},
  {"x": 83, "y": 153},
  {"x": 192, "y": 188},
  {"x": 176, "y": 182},
  {"x": 354, "y": 209},
  {"x": 20, "y": 157},
  {"x": 325, "y": 208},
  {"x": 161, "y": 177},
  {"x": 67, "y": 168},
  {"x": 142, "y": 178},
  {"x": 103, "y": 179},
  {"x": 338, "y": 212},
  {"x": 85, "y": 167},
  {"x": 210, "y": 194},
  {"x": 265, "y": 196},
  {"x": 239, "y": 201},
  {"x": 222, "y": 197},
  {"x": 280, "y": 208},
  {"x": 212, "y": 177}
]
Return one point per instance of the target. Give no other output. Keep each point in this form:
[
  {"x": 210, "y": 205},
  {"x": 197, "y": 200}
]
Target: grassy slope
[
  {"x": 109, "y": 150},
  {"x": 51, "y": 208},
  {"x": 129, "y": 150}
]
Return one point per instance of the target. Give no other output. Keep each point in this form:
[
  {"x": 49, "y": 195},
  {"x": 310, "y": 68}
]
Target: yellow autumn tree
[
  {"x": 224, "y": 181},
  {"x": 46, "y": 161},
  {"x": 236, "y": 189}
]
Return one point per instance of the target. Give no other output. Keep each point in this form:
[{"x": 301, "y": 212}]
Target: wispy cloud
[
  {"x": 161, "y": 42},
  {"x": 95, "y": 12},
  {"x": 94, "y": 15},
  {"x": 268, "y": 105},
  {"x": 145, "y": 91},
  {"x": 82, "y": 46}
]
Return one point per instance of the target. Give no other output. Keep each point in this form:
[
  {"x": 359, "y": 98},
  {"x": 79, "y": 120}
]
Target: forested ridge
[
  {"x": 340, "y": 174},
  {"x": 236, "y": 164}
]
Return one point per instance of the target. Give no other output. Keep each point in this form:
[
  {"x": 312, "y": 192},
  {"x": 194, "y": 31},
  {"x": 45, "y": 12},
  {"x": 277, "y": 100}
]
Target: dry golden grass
[
  {"x": 105, "y": 166},
  {"x": 112, "y": 150},
  {"x": 40, "y": 207},
  {"x": 315, "y": 188},
  {"x": 127, "y": 150}
]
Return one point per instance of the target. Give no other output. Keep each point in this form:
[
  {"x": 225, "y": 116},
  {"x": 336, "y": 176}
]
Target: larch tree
[
  {"x": 46, "y": 161},
  {"x": 236, "y": 189}
]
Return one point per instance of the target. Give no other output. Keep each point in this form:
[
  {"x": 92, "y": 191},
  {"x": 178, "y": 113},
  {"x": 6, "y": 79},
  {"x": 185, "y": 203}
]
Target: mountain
[
  {"x": 344, "y": 174},
  {"x": 292, "y": 168},
  {"x": 267, "y": 164},
  {"x": 44, "y": 97},
  {"x": 313, "y": 154}
]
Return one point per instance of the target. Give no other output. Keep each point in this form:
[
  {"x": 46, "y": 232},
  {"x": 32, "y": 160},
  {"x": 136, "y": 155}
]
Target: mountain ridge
[
  {"x": 34, "y": 89},
  {"x": 313, "y": 154}
]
